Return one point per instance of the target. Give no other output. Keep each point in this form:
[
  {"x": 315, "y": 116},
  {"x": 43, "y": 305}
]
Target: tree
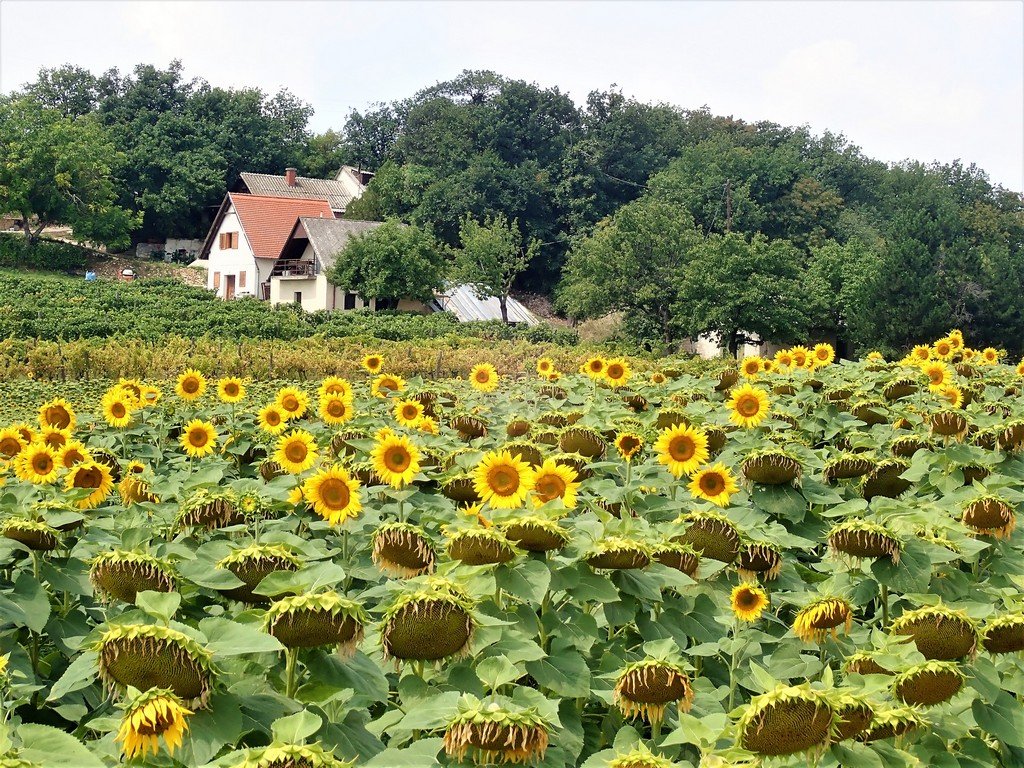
[
  {"x": 57, "y": 170},
  {"x": 392, "y": 262},
  {"x": 742, "y": 289},
  {"x": 492, "y": 256}
]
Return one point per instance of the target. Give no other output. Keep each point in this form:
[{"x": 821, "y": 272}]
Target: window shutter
[
  {"x": 220, "y": 241},
  {"x": 234, "y": 239},
  {"x": 216, "y": 280},
  {"x": 241, "y": 279}
]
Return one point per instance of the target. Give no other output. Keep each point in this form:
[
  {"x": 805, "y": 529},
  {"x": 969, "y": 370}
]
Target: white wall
[{"x": 233, "y": 261}]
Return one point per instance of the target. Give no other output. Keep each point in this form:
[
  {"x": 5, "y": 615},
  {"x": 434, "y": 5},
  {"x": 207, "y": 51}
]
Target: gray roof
[
  {"x": 331, "y": 190},
  {"x": 330, "y": 236},
  {"x": 462, "y": 301}
]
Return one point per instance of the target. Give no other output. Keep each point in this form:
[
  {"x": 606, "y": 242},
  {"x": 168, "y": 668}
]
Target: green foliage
[
  {"x": 391, "y": 262},
  {"x": 42, "y": 254},
  {"x": 491, "y": 256}
]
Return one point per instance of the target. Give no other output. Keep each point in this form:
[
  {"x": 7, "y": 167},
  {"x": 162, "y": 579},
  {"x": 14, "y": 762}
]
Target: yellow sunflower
[
  {"x": 387, "y": 384},
  {"x": 37, "y": 464},
  {"x": 11, "y": 443},
  {"x": 198, "y": 438},
  {"x": 822, "y": 618},
  {"x": 749, "y": 406},
  {"x": 875, "y": 357},
  {"x": 503, "y": 480},
  {"x": 117, "y": 409},
  {"x": 408, "y": 412},
  {"x": 156, "y": 713},
  {"x": 395, "y": 459},
  {"x": 937, "y": 372},
  {"x": 57, "y": 414},
  {"x": 231, "y": 389},
  {"x": 545, "y": 367},
  {"x": 823, "y": 354},
  {"x": 714, "y": 484},
  {"x": 428, "y": 425},
  {"x": 956, "y": 336},
  {"x": 628, "y": 444},
  {"x": 55, "y": 438},
  {"x": 751, "y": 367},
  {"x": 990, "y": 355},
  {"x": 373, "y": 363},
  {"x": 296, "y": 452},
  {"x": 272, "y": 419},
  {"x": 658, "y": 378},
  {"x": 73, "y": 452},
  {"x": 952, "y": 394},
  {"x": 922, "y": 353},
  {"x": 190, "y": 385},
  {"x": 682, "y": 449},
  {"x": 617, "y": 372},
  {"x": 292, "y": 401},
  {"x": 1020, "y": 368},
  {"x": 91, "y": 475},
  {"x": 943, "y": 349},
  {"x": 28, "y": 435},
  {"x": 554, "y": 481},
  {"x": 800, "y": 355},
  {"x": 748, "y": 602},
  {"x": 483, "y": 377},
  {"x": 333, "y": 494},
  {"x": 594, "y": 367},
  {"x": 784, "y": 359},
  {"x": 150, "y": 395},
  {"x": 335, "y": 385},
  {"x": 335, "y": 409},
  {"x": 968, "y": 354}
]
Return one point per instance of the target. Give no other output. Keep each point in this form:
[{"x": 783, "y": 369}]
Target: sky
[{"x": 919, "y": 80}]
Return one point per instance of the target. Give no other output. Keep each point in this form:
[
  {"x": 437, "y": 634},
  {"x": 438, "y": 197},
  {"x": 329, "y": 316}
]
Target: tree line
[{"x": 684, "y": 221}]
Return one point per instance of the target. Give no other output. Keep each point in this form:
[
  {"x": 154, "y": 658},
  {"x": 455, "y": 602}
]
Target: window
[
  {"x": 241, "y": 279},
  {"x": 350, "y": 300},
  {"x": 227, "y": 240},
  {"x": 216, "y": 281},
  {"x": 298, "y": 298}
]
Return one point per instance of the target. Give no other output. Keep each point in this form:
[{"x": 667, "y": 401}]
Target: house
[
  {"x": 245, "y": 241},
  {"x": 463, "y": 302},
  {"x": 349, "y": 184}
]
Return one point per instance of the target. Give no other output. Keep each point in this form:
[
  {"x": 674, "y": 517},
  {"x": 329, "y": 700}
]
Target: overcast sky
[{"x": 922, "y": 80}]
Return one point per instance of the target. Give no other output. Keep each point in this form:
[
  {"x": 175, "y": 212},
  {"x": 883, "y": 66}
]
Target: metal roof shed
[{"x": 462, "y": 302}]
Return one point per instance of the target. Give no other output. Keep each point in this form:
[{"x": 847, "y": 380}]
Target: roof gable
[
  {"x": 268, "y": 221},
  {"x": 330, "y": 236}
]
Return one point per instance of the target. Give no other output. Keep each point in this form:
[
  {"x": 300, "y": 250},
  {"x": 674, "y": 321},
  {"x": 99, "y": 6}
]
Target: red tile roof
[{"x": 268, "y": 221}]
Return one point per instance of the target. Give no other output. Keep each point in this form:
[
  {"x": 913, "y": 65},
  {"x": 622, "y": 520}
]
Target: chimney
[{"x": 289, "y": 176}]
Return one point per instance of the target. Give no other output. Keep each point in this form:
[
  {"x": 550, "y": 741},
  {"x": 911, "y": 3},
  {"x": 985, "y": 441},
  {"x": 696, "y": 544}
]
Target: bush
[{"x": 45, "y": 254}]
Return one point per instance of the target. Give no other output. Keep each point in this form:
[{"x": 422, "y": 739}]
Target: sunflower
[
  {"x": 748, "y": 602},
  {"x": 937, "y": 372},
  {"x": 617, "y": 372},
  {"x": 72, "y": 453},
  {"x": 386, "y": 384},
  {"x": 682, "y": 449},
  {"x": 990, "y": 355},
  {"x": 231, "y": 389},
  {"x": 483, "y": 377},
  {"x": 821, "y": 618},
  {"x": 428, "y": 425},
  {"x": 296, "y": 452},
  {"x": 373, "y": 363},
  {"x": 875, "y": 356},
  {"x": 784, "y": 359},
  {"x": 503, "y": 480},
  {"x": 190, "y": 385},
  {"x": 628, "y": 444},
  {"x": 57, "y": 414},
  {"x": 714, "y": 484},
  {"x": 156, "y": 713},
  {"x": 1020, "y": 368},
  {"x": 11, "y": 443},
  {"x": 55, "y": 438},
  {"x": 545, "y": 367},
  {"x": 953, "y": 395},
  {"x": 594, "y": 367},
  {"x": 749, "y": 405},
  {"x": 800, "y": 355},
  {"x": 823, "y": 354},
  {"x": 408, "y": 412},
  {"x": 272, "y": 419},
  {"x": 658, "y": 378},
  {"x": 751, "y": 367},
  {"x": 335, "y": 385},
  {"x": 395, "y": 459},
  {"x": 150, "y": 395},
  {"x": 91, "y": 475},
  {"x": 292, "y": 401},
  {"x": 333, "y": 494},
  {"x": 198, "y": 439},
  {"x": 943, "y": 349},
  {"x": 117, "y": 409},
  {"x": 922, "y": 353},
  {"x": 335, "y": 409},
  {"x": 37, "y": 464},
  {"x": 554, "y": 481}
]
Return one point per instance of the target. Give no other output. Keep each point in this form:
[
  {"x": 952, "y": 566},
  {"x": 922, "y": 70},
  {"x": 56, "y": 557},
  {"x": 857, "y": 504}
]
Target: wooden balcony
[{"x": 294, "y": 268}]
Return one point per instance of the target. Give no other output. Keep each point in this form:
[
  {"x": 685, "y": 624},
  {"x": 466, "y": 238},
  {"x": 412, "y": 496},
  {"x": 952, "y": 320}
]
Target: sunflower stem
[
  {"x": 291, "y": 657},
  {"x": 885, "y": 605},
  {"x": 732, "y": 666}
]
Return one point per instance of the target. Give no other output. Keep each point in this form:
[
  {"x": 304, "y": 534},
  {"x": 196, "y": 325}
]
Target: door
[{"x": 229, "y": 286}]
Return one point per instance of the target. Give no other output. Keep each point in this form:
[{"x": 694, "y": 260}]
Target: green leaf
[
  {"x": 564, "y": 673},
  {"x": 1003, "y": 718},
  {"x": 229, "y": 638},
  {"x": 49, "y": 746},
  {"x": 497, "y": 671},
  {"x": 80, "y": 674},
  {"x": 433, "y": 712},
  {"x": 527, "y": 580},
  {"x": 31, "y": 597},
  {"x": 295, "y": 729},
  {"x": 160, "y": 605},
  {"x": 420, "y": 754}
]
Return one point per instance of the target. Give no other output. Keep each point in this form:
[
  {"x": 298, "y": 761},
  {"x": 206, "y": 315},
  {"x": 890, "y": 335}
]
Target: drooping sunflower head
[
  {"x": 711, "y": 534},
  {"x": 645, "y": 688},
  {"x": 526, "y": 451},
  {"x": 253, "y": 563},
  {"x": 198, "y": 438},
  {"x": 495, "y": 732},
  {"x": 403, "y": 550},
  {"x": 503, "y": 480},
  {"x": 628, "y": 444},
  {"x": 191, "y": 385},
  {"x": 281, "y": 755},
  {"x": 553, "y": 481},
  {"x": 939, "y": 632},
  {"x": 582, "y": 440},
  {"x": 927, "y": 684},
  {"x": 483, "y": 377},
  {"x": 748, "y": 405},
  {"x": 1004, "y": 634},
  {"x": 373, "y": 363},
  {"x": 682, "y": 449},
  {"x": 788, "y": 720},
  {"x": 92, "y": 477},
  {"x": 387, "y": 384},
  {"x": 619, "y": 553},
  {"x": 430, "y": 619},
  {"x": 855, "y": 712},
  {"x": 37, "y": 464},
  {"x": 157, "y": 713},
  {"x": 760, "y": 559},
  {"x": 145, "y": 656},
  {"x": 858, "y": 539},
  {"x": 640, "y": 756},
  {"x": 313, "y": 620},
  {"x": 396, "y": 460},
  {"x": 296, "y": 451},
  {"x": 34, "y": 534},
  {"x": 748, "y": 601},
  {"x": 230, "y": 389},
  {"x": 333, "y": 494},
  {"x": 210, "y": 508},
  {"x": 865, "y": 663},
  {"x": 773, "y": 466},
  {"x": 479, "y": 546},
  {"x": 121, "y": 575},
  {"x": 892, "y": 723},
  {"x": 713, "y": 483},
  {"x": 823, "y": 617},
  {"x": 617, "y": 372},
  {"x": 886, "y": 479},
  {"x": 134, "y": 486},
  {"x": 949, "y": 423},
  {"x": 535, "y": 533},
  {"x": 990, "y": 515},
  {"x": 57, "y": 414},
  {"x": 292, "y": 401}
]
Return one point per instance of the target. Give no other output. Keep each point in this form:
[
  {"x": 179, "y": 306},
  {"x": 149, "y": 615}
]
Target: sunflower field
[{"x": 793, "y": 561}]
